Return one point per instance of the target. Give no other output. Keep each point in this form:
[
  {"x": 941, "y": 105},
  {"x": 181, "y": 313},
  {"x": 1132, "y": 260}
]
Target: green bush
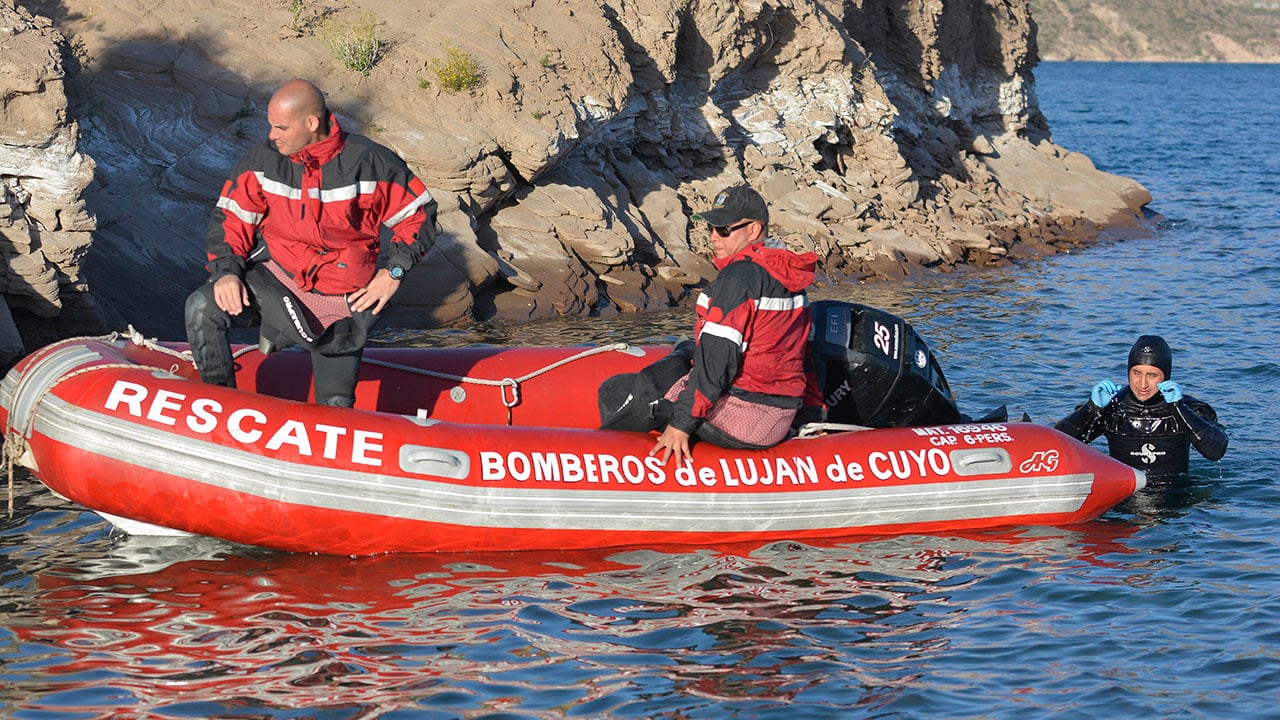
[
  {"x": 356, "y": 45},
  {"x": 458, "y": 71},
  {"x": 301, "y": 21}
]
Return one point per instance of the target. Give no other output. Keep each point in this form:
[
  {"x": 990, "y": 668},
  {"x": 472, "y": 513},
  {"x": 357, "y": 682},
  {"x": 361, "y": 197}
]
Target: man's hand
[
  {"x": 376, "y": 294},
  {"x": 1103, "y": 393},
  {"x": 1170, "y": 390},
  {"x": 672, "y": 443},
  {"x": 230, "y": 294}
]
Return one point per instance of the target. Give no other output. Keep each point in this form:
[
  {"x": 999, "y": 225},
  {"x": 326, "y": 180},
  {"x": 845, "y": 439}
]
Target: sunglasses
[{"x": 723, "y": 231}]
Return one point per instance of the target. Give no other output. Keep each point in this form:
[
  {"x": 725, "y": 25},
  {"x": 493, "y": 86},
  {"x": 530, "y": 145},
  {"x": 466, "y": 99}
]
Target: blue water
[{"x": 1168, "y": 606}]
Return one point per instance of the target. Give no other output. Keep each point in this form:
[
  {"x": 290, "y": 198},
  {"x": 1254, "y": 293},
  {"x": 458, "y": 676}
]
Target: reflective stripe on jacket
[
  {"x": 752, "y": 332},
  {"x": 320, "y": 212}
]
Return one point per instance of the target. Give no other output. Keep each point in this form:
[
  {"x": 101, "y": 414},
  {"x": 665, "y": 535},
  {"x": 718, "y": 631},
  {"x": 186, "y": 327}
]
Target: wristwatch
[{"x": 396, "y": 271}]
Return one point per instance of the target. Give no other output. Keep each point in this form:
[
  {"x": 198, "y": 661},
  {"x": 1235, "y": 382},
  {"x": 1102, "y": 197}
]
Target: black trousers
[{"x": 335, "y": 356}]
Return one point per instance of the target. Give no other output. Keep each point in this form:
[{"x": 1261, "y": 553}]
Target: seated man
[
  {"x": 293, "y": 244},
  {"x": 741, "y": 381},
  {"x": 1150, "y": 424}
]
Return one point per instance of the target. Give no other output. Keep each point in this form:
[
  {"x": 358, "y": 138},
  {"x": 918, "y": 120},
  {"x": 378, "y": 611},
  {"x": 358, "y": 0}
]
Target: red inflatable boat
[{"x": 493, "y": 449}]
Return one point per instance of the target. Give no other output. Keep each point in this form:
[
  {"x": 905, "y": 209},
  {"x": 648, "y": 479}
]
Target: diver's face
[{"x": 1143, "y": 380}]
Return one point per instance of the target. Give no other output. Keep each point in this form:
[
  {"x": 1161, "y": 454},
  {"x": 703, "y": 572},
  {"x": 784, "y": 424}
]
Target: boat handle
[
  {"x": 440, "y": 462},
  {"x": 981, "y": 461}
]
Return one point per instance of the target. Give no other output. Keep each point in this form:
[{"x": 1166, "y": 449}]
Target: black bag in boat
[{"x": 875, "y": 370}]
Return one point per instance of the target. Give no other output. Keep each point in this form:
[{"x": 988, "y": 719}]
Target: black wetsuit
[{"x": 1153, "y": 436}]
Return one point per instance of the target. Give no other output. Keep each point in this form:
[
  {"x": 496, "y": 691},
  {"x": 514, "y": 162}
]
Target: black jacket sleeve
[
  {"x": 1084, "y": 424},
  {"x": 1200, "y": 423}
]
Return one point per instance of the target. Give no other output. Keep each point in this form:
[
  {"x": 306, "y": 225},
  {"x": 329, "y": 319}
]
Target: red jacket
[
  {"x": 320, "y": 212},
  {"x": 752, "y": 332}
]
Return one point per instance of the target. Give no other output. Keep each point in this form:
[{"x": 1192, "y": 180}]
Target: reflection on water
[
  {"x": 1166, "y": 499},
  {"x": 753, "y": 627}
]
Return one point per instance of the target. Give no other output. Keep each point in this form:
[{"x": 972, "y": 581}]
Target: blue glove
[
  {"x": 1104, "y": 392},
  {"x": 1170, "y": 390}
]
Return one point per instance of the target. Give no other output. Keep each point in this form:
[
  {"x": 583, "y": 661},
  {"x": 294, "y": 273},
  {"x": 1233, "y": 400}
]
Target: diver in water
[{"x": 1150, "y": 424}]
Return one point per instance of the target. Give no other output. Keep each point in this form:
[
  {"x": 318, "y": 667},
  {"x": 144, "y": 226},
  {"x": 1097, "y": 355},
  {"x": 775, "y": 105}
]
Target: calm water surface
[{"x": 1167, "y": 606}]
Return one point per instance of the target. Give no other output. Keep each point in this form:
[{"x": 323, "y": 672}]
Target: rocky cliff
[
  {"x": 890, "y": 137},
  {"x": 45, "y": 226}
]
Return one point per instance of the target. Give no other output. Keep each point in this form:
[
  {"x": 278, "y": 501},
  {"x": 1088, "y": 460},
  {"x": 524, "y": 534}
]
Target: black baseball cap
[{"x": 733, "y": 204}]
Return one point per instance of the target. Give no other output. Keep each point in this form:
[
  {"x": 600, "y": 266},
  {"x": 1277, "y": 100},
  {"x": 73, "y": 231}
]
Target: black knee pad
[
  {"x": 207, "y": 335},
  {"x": 196, "y": 311}
]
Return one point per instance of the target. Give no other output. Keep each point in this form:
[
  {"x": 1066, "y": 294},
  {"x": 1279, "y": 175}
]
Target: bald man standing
[{"x": 293, "y": 244}]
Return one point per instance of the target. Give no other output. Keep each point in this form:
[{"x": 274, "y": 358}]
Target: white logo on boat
[{"x": 1042, "y": 461}]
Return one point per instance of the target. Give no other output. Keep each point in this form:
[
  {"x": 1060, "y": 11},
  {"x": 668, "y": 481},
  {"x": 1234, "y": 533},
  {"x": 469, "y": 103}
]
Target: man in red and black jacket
[
  {"x": 294, "y": 241},
  {"x": 748, "y": 377}
]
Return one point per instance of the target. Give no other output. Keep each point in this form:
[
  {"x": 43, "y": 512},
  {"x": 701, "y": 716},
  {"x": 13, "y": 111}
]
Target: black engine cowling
[{"x": 875, "y": 370}]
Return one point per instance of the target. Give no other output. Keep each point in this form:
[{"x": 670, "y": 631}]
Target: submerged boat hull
[{"x": 493, "y": 449}]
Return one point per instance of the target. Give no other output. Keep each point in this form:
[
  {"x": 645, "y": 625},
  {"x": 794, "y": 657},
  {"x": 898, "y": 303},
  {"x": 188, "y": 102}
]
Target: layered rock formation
[
  {"x": 889, "y": 137},
  {"x": 45, "y": 227}
]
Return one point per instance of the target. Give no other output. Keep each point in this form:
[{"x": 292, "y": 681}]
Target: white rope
[
  {"x": 508, "y": 381},
  {"x": 510, "y": 386},
  {"x": 12, "y": 451},
  {"x": 150, "y": 343}
]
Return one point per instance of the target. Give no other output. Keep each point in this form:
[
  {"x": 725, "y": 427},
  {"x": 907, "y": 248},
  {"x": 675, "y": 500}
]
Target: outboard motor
[{"x": 875, "y": 370}]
